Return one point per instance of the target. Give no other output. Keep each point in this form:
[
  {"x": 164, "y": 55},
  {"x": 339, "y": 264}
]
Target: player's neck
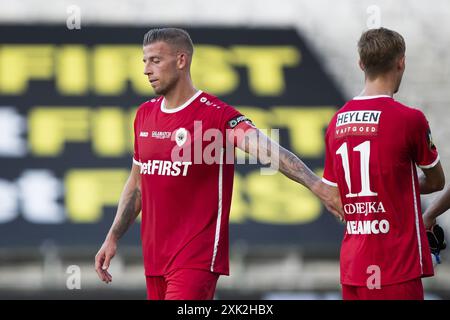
[
  {"x": 179, "y": 95},
  {"x": 379, "y": 86}
]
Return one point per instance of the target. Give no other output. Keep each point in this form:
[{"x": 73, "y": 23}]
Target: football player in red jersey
[
  {"x": 185, "y": 198},
  {"x": 373, "y": 145}
]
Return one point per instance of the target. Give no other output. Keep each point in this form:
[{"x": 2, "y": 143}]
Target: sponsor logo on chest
[
  {"x": 161, "y": 134},
  {"x": 165, "y": 168}
]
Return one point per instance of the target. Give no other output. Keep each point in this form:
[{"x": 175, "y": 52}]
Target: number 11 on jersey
[{"x": 364, "y": 150}]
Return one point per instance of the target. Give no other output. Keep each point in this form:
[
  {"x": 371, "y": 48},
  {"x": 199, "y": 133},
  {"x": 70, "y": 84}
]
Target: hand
[
  {"x": 330, "y": 198},
  {"x": 436, "y": 239},
  {"x": 103, "y": 259},
  {"x": 428, "y": 221}
]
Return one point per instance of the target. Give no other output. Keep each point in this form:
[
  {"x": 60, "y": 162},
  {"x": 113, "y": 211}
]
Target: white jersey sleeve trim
[
  {"x": 136, "y": 162},
  {"x": 333, "y": 184},
  {"x": 431, "y": 165}
]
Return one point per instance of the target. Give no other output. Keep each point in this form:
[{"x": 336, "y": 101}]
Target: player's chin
[{"x": 158, "y": 90}]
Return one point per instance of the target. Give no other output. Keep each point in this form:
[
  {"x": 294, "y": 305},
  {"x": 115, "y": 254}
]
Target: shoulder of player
[
  {"x": 342, "y": 109},
  {"x": 409, "y": 113},
  {"x": 213, "y": 103},
  {"x": 148, "y": 105},
  {"x": 393, "y": 107}
]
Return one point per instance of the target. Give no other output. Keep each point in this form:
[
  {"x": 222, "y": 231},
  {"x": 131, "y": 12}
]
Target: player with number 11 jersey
[{"x": 373, "y": 146}]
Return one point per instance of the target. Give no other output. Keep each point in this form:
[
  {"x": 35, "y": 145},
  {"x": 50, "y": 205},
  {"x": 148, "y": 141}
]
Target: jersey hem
[
  {"x": 389, "y": 283},
  {"x": 156, "y": 274}
]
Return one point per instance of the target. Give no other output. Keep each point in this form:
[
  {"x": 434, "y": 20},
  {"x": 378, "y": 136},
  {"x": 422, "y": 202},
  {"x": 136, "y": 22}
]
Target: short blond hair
[{"x": 379, "y": 49}]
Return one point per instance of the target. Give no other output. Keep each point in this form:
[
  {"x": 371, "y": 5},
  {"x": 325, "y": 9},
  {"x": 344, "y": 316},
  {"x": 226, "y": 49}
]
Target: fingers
[
  {"x": 428, "y": 223},
  {"x": 338, "y": 205},
  {"x": 101, "y": 265},
  {"x": 107, "y": 276},
  {"x": 337, "y": 214},
  {"x": 98, "y": 263},
  {"x": 337, "y": 210},
  {"x": 340, "y": 213},
  {"x": 105, "y": 268},
  {"x": 332, "y": 200},
  {"x": 104, "y": 275},
  {"x": 106, "y": 262},
  {"x": 431, "y": 224}
]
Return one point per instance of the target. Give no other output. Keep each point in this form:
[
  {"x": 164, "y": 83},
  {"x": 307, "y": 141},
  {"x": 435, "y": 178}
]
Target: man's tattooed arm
[
  {"x": 127, "y": 213},
  {"x": 294, "y": 168},
  {"x": 269, "y": 152},
  {"x": 129, "y": 205}
]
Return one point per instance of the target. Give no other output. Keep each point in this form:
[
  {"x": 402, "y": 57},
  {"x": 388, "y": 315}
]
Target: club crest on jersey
[{"x": 181, "y": 136}]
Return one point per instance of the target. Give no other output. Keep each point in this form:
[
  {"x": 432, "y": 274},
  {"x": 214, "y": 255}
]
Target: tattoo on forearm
[
  {"x": 128, "y": 215},
  {"x": 289, "y": 164},
  {"x": 295, "y": 169}
]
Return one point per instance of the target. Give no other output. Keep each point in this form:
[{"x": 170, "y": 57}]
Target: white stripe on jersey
[
  {"x": 219, "y": 212},
  {"x": 416, "y": 212}
]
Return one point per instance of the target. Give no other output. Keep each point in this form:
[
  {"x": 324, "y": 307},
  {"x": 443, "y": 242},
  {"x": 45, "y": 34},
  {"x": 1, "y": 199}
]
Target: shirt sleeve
[
  {"x": 328, "y": 172},
  {"x": 424, "y": 152},
  {"x": 235, "y": 124}
]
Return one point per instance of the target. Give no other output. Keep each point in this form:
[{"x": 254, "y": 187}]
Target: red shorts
[
  {"x": 182, "y": 284},
  {"x": 409, "y": 290}
]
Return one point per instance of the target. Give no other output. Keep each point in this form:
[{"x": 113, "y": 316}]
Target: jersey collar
[
  {"x": 371, "y": 97},
  {"x": 179, "y": 108}
]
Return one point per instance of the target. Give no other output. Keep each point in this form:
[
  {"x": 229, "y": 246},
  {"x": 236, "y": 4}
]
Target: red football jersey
[
  {"x": 373, "y": 145},
  {"x": 186, "y": 184}
]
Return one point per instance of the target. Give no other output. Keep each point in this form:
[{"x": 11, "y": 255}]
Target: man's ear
[
  {"x": 361, "y": 65},
  {"x": 182, "y": 60},
  {"x": 401, "y": 63}
]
